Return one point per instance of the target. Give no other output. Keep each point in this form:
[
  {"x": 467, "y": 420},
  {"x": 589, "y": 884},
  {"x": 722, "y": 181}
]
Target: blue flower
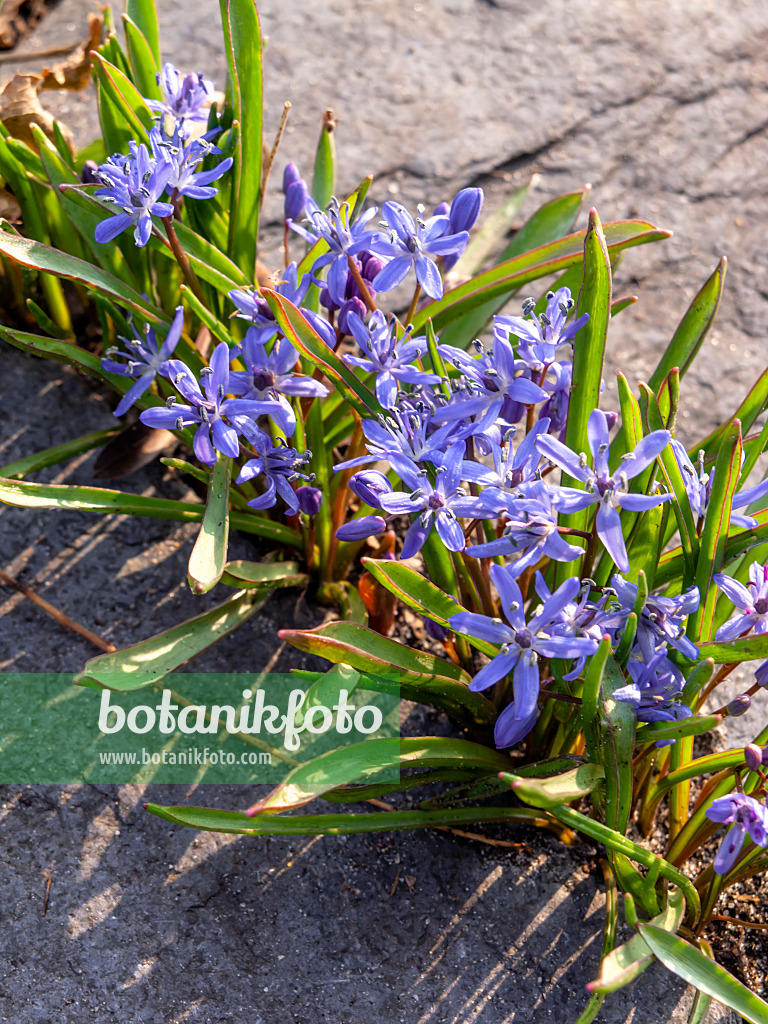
[
  {"x": 608, "y": 492},
  {"x": 390, "y": 358},
  {"x": 209, "y": 408},
  {"x": 135, "y": 184},
  {"x": 280, "y": 465},
  {"x": 752, "y": 599},
  {"x": 184, "y": 157},
  {"x": 251, "y": 306},
  {"x": 522, "y": 646},
  {"x": 437, "y": 505},
  {"x": 145, "y": 359},
  {"x": 184, "y": 98},
  {"x": 342, "y": 238},
  {"x": 409, "y": 246},
  {"x": 655, "y": 691},
  {"x": 661, "y": 618},
  {"x": 491, "y": 385},
  {"x": 268, "y": 379},
  {"x": 511, "y": 466},
  {"x": 747, "y": 817},
  {"x": 541, "y": 336},
  {"x": 698, "y": 487},
  {"x": 405, "y": 433}
]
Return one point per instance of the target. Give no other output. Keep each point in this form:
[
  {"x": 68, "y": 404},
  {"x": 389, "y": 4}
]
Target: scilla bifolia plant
[{"x": 590, "y": 581}]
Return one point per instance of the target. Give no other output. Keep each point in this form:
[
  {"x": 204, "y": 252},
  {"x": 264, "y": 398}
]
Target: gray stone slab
[{"x": 662, "y": 108}]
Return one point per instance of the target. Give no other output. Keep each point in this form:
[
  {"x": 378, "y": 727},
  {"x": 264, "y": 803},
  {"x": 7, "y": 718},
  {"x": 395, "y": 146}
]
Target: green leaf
[
  {"x": 617, "y": 742},
  {"x": 60, "y": 453},
  {"x": 243, "y": 45},
  {"x": 724, "y": 652},
  {"x": 715, "y": 533},
  {"x": 698, "y": 970},
  {"x": 520, "y": 270},
  {"x": 99, "y": 499},
  {"x": 151, "y": 660},
  {"x": 627, "y": 962},
  {"x": 208, "y": 262},
  {"x": 559, "y": 789},
  {"x": 342, "y": 824},
  {"x": 589, "y": 345},
  {"x": 206, "y": 563},
  {"x": 324, "y": 180},
  {"x": 124, "y": 96},
  {"x": 143, "y": 14},
  {"x": 361, "y": 760},
  {"x": 590, "y": 708},
  {"x": 417, "y": 674},
  {"x": 247, "y": 575},
  {"x": 37, "y": 256},
  {"x": 303, "y": 337},
  {"x": 693, "y": 328},
  {"x": 674, "y": 730},
  {"x": 143, "y": 61},
  {"x": 326, "y": 691}
]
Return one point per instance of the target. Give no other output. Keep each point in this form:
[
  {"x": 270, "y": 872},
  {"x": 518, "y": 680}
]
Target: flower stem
[
  {"x": 414, "y": 300},
  {"x": 362, "y": 286},
  {"x": 182, "y": 259}
]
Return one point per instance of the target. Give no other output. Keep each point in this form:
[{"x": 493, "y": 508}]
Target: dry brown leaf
[
  {"x": 20, "y": 108},
  {"x": 9, "y": 208},
  {"x": 75, "y": 71}
]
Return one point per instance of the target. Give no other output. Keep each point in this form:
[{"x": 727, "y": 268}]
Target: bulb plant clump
[{"x": 587, "y": 582}]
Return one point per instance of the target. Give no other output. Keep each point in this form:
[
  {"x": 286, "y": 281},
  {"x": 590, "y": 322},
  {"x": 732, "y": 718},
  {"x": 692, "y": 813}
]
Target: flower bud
[
  {"x": 353, "y": 305},
  {"x": 296, "y": 196},
  {"x": 88, "y": 173},
  {"x": 611, "y": 418},
  {"x": 371, "y": 265},
  {"x": 435, "y": 630},
  {"x": 738, "y": 706},
  {"x": 369, "y": 486},
  {"x": 753, "y": 755},
  {"x": 761, "y": 674},
  {"x": 310, "y": 500},
  {"x": 465, "y": 209},
  {"x": 290, "y": 176},
  {"x": 361, "y": 529},
  {"x": 327, "y": 301}
]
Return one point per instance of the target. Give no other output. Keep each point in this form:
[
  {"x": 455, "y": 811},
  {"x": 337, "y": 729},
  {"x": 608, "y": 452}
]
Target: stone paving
[{"x": 662, "y": 108}]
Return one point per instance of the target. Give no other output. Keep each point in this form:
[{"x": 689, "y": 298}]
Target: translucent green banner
[{"x": 190, "y": 729}]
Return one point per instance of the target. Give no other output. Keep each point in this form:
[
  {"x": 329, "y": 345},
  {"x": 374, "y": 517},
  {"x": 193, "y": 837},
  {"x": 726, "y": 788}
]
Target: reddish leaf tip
[{"x": 145, "y": 805}]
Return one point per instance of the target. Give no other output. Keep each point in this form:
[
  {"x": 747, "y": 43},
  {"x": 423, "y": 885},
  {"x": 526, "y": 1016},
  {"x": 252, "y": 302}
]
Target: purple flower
[
  {"x": 390, "y": 358},
  {"x": 555, "y": 409},
  {"x": 608, "y": 492},
  {"x": 661, "y": 618},
  {"x": 530, "y": 532},
  {"x": 280, "y": 465},
  {"x": 183, "y": 98},
  {"x": 184, "y": 157},
  {"x": 145, "y": 359},
  {"x": 511, "y": 466},
  {"x": 752, "y": 599},
  {"x": 437, "y": 505},
  {"x": 268, "y": 379},
  {"x": 522, "y": 643},
  {"x": 409, "y": 246},
  {"x": 342, "y": 238},
  {"x": 655, "y": 691},
  {"x": 491, "y": 386},
  {"x": 207, "y": 408},
  {"x": 462, "y": 216},
  {"x": 402, "y": 433},
  {"x": 251, "y": 306},
  {"x": 541, "y": 336},
  {"x": 296, "y": 192},
  {"x": 134, "y": 183},
  {"x": 369, "y": 487},
  {"x": 747, "y": 817}
]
